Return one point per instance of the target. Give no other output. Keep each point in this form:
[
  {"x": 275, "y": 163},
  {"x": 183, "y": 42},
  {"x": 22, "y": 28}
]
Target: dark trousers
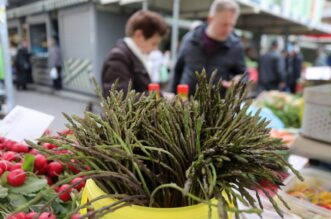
[
  {"x": 57, "y": 83},
  {"x": 21, "y": 79}
]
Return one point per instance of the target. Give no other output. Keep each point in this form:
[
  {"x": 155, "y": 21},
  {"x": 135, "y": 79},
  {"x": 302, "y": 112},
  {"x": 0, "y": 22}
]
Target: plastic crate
[
  {"x": 303, "y": 208},
  {"x": 317, "y": 113}
]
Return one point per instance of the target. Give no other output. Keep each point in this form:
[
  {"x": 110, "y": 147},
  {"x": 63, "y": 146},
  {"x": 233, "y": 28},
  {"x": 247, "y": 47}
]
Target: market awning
[
  {"x": 254, "y": 17},
  {"x": 41, "y": 6}
]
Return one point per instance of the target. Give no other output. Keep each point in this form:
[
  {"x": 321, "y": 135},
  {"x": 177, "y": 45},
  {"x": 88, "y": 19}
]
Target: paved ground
[{"x": 53, "y": 104}]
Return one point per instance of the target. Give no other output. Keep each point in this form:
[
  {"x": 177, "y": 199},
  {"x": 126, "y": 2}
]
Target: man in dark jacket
[
  {"x": 128, "y": 61},
  {"x": 272, "y": 70},
  {"x": 212, "y": 46}
]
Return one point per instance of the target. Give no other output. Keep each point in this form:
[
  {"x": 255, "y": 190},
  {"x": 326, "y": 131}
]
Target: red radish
[
  {"x": 8, "y": 144},
  {"x": 64, "y": 192},
  {"x": 80, "y": 183},
  {"x": 40, "y": 163},
  {"x": 54, "y": 169},
  {"x": 73, "y": 169},
  {"x": 66, "y": 132},
  {"x": 47, "y": 132},
  {"x": 42, "y": 171},
  {"x": 9, "y": 155},
  {"x": 61, "y": 151},
  {"x": 49, "y": 181},
  {"x": 20, "y": 148},
  {"x": 20, "y": 215},
  {"x": 16, "y": 166},
  {"x": 49, "y": 146},
  {"x": 56, "y": 188},
  {"x": 5, "y": 165},
  {"x": 31, "y": 215},
  {"x": 47, "y": 215},
  {"x": 16, "y": 177},
  {"x": 1, "y": 171},
  {"x": 34, "y": 151},
  {"x": 75, "y": 216}
]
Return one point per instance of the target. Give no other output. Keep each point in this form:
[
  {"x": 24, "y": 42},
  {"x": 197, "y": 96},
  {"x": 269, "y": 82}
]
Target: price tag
[{"x": 24, "y": 124}]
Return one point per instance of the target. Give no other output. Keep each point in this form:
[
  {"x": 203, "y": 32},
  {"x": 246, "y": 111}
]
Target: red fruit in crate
[
  {"x": 80, "y": 183},
  {"x": 31, "y": 215},
  {"x": 54, "y": 169},
  {"x": 64, "y": 192},
  {"x": 40, "y": 163},
  {"x": 75, "y": 216},
  {"x": 20, "y": 215},
  {"x": 9, "y": 155},
  {"x": 5, "y": 165},
  {"x": 16, "y": 166},
  {"x": 47, "y": 215},
  {"x": 16, "y": 177},
  {"x": 49, "y": 146}
]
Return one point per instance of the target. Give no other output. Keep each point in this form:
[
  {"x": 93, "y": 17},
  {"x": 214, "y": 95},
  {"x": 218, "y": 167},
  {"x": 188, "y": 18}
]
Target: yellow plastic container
[{"x": 92, "y": 191}]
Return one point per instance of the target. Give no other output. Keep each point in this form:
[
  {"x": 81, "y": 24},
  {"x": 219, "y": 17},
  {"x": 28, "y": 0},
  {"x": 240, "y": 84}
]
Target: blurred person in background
[
  {"x": 55, "y": 62},
  {"x": 321, "y": 57},
  {"x": 22, "y": 65},
  {"x": 295, "y": 64},
  {"x": 128, "y": 61},
  {"x": 213, "y": 46},
  {"x": 272, "y": 69}
]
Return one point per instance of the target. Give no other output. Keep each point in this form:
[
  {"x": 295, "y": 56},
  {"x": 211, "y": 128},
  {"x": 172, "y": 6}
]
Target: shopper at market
[
  {"x": 22, "y": 65},
  {"x": 213, "y": 46},
  {"x": 128, "y": 61},
  {"x": 295, "y": 63},
  {"x": 272, "y": 69},
  {"x": 321, "y": 57},
  {"x": 55, "y": 63}
]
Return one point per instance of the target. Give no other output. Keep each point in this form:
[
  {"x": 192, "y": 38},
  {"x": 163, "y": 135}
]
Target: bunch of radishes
[{"x": 12, "y": 156}]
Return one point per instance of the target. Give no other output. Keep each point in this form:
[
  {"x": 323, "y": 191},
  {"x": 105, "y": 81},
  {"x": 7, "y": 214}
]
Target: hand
[
  {"x": 234, "y": 80},
  {"x": 282, "y": 86},
  {"x": 168, "y": 96}
]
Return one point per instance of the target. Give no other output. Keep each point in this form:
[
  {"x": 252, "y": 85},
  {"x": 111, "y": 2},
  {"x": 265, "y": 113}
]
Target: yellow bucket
[{"x": 92, "y": 191}]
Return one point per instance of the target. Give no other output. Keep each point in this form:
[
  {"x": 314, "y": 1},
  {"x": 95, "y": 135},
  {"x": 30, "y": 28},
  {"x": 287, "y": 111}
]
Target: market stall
[{"x": 136, "y": 147}]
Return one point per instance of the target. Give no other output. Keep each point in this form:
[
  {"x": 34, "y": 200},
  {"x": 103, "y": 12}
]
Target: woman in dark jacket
[{"x": 128, "y": 60}]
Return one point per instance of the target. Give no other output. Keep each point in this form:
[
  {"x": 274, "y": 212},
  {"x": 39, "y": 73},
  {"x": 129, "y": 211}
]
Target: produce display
[
  {"x": 26, "y": 174},
  {"x": 148, "y": 151},
  {"x": 287, "y": 107},
  {"x": 287, "y": 137},
  {"x": 314, "y": 194}
]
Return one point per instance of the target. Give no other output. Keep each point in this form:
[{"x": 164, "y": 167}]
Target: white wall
[{"x": 77, "y": 39}]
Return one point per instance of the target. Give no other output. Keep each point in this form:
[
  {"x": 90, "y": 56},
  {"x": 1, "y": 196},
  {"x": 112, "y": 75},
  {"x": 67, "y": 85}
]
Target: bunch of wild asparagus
[{"x": 149, "y": 151}]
